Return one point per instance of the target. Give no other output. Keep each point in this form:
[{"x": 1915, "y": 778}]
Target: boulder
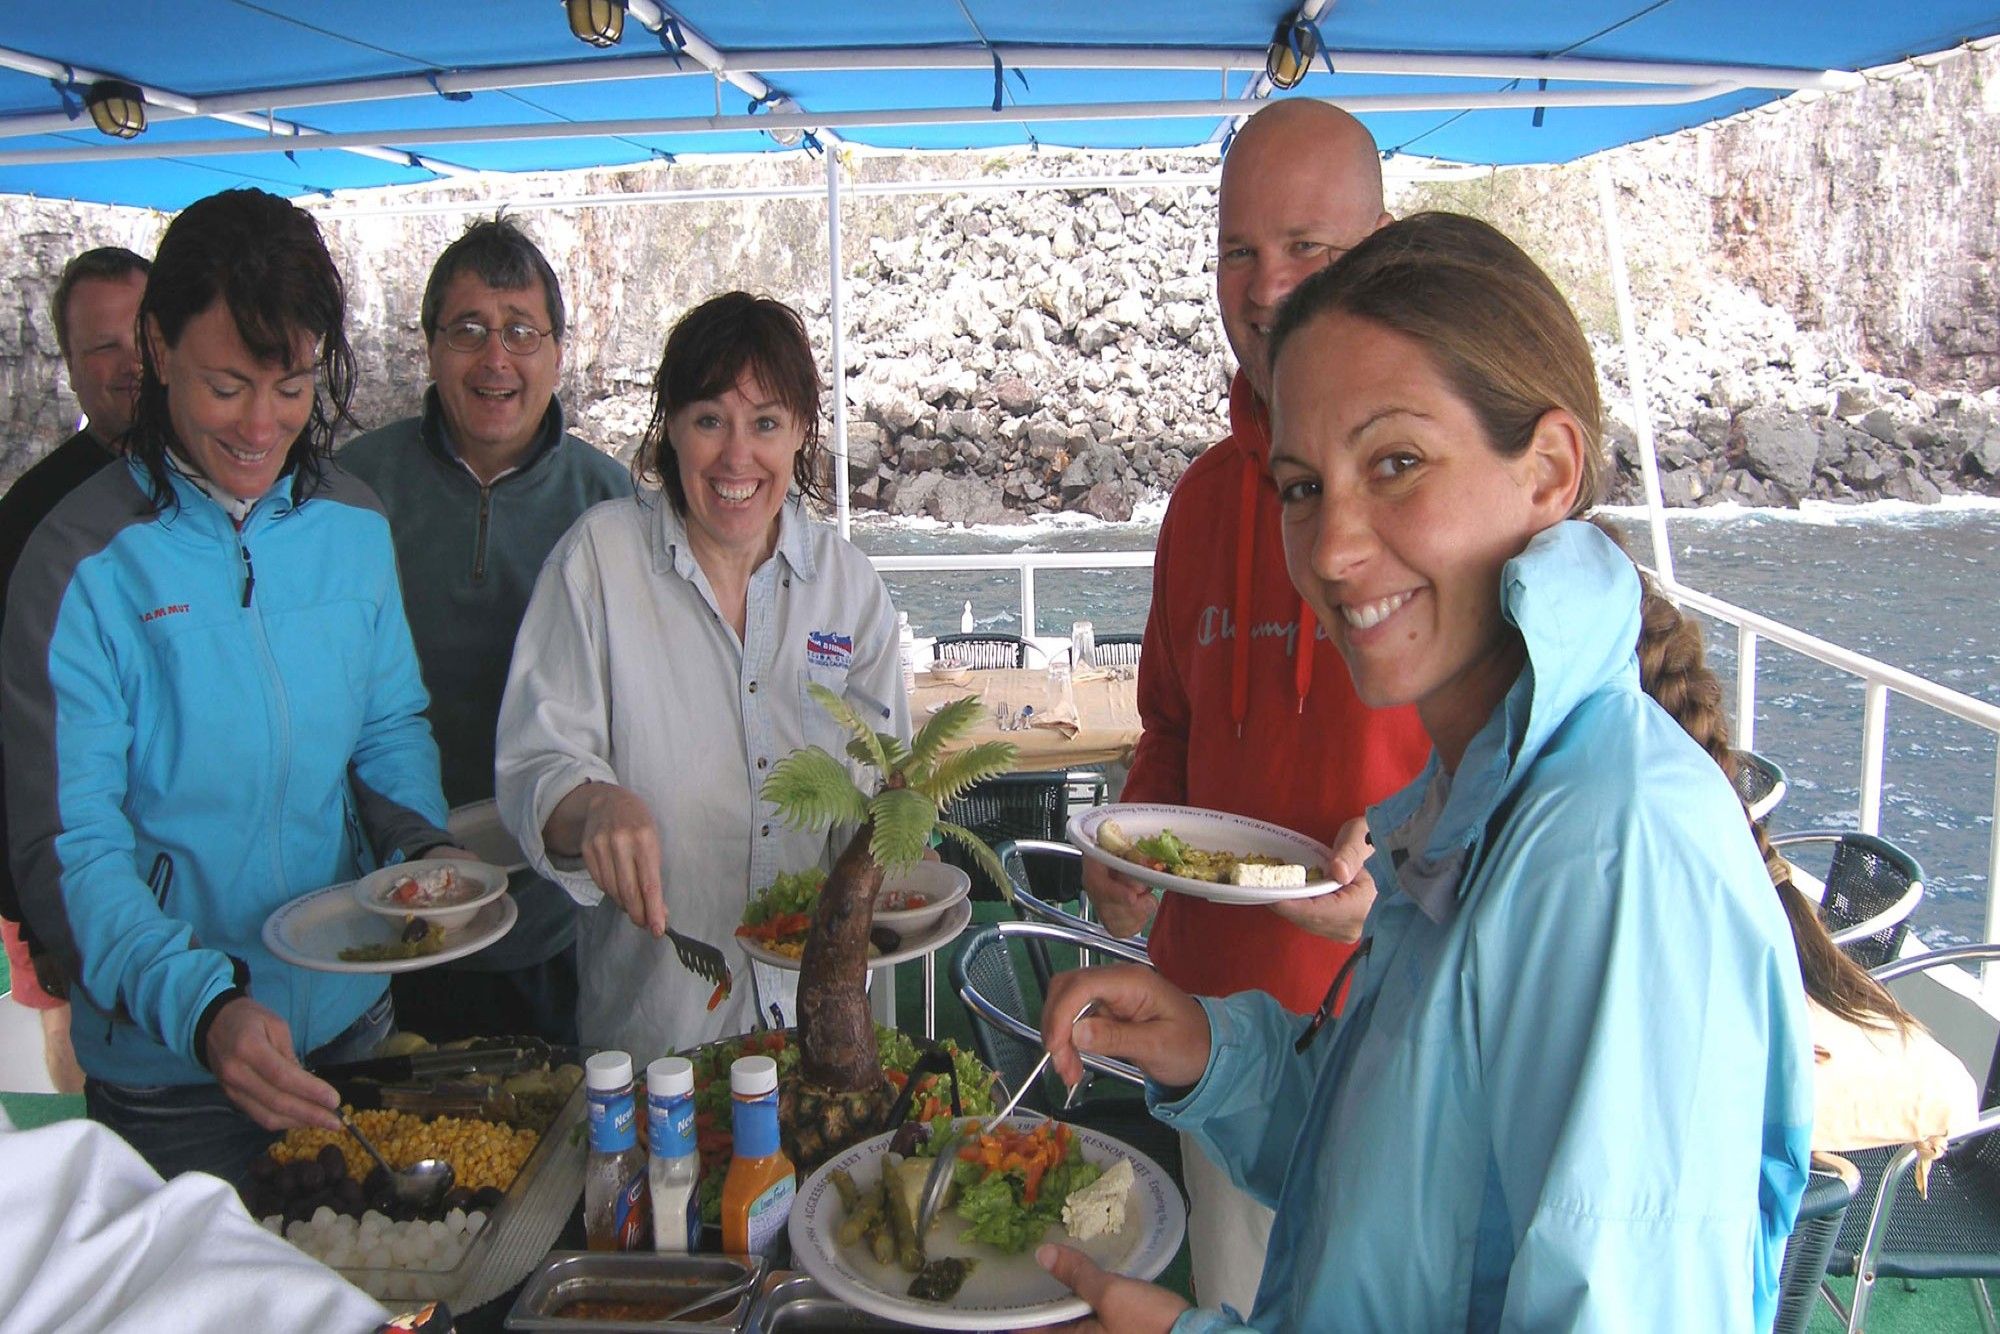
[
  {"x": 963, "y": 500},
  {"x": 1778, "y": 447},
  {"x": 909, "y": 495},
  {"x": 1111, "y": 501},
  {"x": 1015, "y": 395},
  {"x": 1911, "y": 485},
  {"x": 1983, "y": 456}
]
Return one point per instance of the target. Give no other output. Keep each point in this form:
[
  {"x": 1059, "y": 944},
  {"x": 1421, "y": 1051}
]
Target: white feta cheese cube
[
  {"x": 1098, "y": 1209},
  {"x": 1267, "y": 877}
]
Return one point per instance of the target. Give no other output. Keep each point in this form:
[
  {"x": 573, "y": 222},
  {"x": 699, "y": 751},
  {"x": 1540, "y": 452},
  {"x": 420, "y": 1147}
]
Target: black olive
[
  {"x": 415, "y": 929},
  {"x": 333, "y": 1163},
  {"x": 348, "y": 1197},
  {"x": 262, "y": 1202},
  {"x": 488, "y": 1197},
  {"x": 310, "y": 1179},
  {"x": 459, "y": 1197},
  {"x": 379, "y": 1190},
  {"x": 885, "y": 940},
  {"x": 265, "y": 1168}
]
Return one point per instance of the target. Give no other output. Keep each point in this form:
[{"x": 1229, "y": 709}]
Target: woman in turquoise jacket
[
  {"x": 1570, "y": 1087},
  {"x": 213, "y": 705}
]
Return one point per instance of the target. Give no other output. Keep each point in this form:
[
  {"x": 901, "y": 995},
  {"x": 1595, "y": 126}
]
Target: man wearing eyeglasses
[{"x": 478, "y": 488}]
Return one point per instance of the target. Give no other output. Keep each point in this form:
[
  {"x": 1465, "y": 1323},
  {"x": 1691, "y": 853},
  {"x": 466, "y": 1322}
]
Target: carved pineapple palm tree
[{"x": 840, "y": 1094}]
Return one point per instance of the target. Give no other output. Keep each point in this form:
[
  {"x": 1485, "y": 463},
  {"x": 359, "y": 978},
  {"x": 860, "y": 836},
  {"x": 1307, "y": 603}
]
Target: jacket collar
[
  {"x": 1574, "y": 597},
  {"x": 437, "y": 437},
  {"x": 195, "y": 504},
  {"x": 1249, "y": 422}
]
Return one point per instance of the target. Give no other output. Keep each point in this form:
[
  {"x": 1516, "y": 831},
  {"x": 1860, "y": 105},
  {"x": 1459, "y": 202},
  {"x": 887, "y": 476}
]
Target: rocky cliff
[{"x": 1815, "y": 284}]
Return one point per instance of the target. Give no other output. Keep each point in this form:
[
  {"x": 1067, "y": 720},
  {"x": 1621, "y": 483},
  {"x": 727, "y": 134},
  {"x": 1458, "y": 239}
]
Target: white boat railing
[{"x": 1878, "y": 679}]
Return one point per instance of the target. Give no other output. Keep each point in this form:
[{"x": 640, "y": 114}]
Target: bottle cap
[
  {"x": 670, "y": 1077},
  {"x": 753, "y": 1076},
  {"x": 608, "y": 1071}
]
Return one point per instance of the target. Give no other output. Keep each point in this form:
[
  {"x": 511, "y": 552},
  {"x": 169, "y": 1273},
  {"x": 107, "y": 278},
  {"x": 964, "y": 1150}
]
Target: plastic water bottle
[
  {"x": 907, "y": 644},
  {"x": 615, "y": 1216},
  {"x": 1082, "y": 643},
  {"x": 673, "y": 1165},
  {"x": 757, "y": 1195}
]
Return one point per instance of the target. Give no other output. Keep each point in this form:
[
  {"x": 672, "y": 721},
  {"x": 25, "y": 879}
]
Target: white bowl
[
  {"x": 481, "y": 882},
  {"x": 947, "y": 674},
  {"x": 941, "y": 886}
]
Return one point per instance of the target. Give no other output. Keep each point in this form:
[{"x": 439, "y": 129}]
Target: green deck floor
[{"x": 1943, "y": 1306}]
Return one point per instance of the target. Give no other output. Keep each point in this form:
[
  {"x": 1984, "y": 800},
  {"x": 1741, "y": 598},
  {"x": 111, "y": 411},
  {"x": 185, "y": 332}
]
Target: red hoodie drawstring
[
  {"x": 1246, "y": 555},
  {"x": 1246, "y": 560}
]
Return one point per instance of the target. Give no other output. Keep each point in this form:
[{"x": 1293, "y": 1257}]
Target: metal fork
[{"x": 700, "y": 958}]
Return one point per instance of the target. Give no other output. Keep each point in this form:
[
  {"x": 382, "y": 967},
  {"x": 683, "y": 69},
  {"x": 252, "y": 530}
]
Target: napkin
[{"x": 1058, "y": 714}]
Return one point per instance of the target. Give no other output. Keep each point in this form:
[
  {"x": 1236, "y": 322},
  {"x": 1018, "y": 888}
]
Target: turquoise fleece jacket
[
  {"x": 242, "y": 706},
  {"x": 1571, "y": 1086}
]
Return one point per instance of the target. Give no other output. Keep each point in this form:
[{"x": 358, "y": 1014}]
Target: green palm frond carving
[
  {"x": 955, "y": 773},
  {"x": 988, "y": 860},
  {"x": 843, "y": 713},
  {"x": 813, "y": 790},
  {"x": 904, "y": 818}
]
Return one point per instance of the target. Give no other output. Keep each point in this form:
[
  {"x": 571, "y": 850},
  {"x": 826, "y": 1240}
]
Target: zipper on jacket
[
  {"x": 249, "y": 572},
  {"x": 479, "y": 543}
]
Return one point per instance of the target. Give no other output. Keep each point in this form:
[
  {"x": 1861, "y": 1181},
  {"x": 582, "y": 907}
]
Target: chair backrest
[
  {"x": 1829, "y": 1190},
  {"x": 981, "y": 650},
  {"x": 1024, "y": 805},
  {"x": 1048, "y": 887},
  {"x": 1004, "y": 1005},
  {"x": 1759, "y": 782},
  {"x": 1869, "y": 876},
  {"x": 1116, "y": 651}
]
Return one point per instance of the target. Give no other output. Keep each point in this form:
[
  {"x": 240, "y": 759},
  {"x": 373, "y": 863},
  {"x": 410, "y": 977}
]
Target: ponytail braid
[{"x": 1674, "y": 670}]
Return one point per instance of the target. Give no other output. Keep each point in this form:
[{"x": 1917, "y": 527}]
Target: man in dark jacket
[
  {"x": 96, "y": 313},
  {"x": 478, "y": 488}
]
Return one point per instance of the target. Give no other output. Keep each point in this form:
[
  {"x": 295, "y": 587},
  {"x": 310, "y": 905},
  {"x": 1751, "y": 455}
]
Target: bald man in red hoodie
[{"x": 1246, "y": 706}]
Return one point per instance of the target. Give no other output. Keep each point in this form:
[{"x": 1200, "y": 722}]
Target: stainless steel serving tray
[
  {"x": 795, "y": 1304},
  {"x": 518, "y": 1232},
  {"x": 572, "y": 1276}
]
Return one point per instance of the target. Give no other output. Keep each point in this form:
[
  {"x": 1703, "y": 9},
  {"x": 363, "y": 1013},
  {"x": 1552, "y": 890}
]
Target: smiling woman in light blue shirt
[
  {"x": 1571, "y": 1086},
  {"x": 663, "y": 666}
]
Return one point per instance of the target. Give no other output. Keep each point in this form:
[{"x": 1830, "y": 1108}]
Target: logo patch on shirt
[
  {"x": 824, "y": 648},
  {"x": 171, "y": 609}
]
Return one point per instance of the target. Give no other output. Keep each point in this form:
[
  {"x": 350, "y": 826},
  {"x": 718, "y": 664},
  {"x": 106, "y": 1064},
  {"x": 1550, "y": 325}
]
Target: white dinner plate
[
  {"x": 478, "y": 830},
  {"x": 1003, "y": 1291},
  {"x": 954, "y": 921},
  {"x": 311, "y": 931},
  {"x": 1214, "y": 831}
]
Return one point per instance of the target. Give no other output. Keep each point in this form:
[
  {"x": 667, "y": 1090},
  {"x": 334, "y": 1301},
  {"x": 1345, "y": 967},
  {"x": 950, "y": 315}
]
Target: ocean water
[{"x": 1916, "y": 587}]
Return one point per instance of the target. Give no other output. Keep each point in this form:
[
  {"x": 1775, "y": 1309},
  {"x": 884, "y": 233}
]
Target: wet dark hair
[
  {"x": 105, "y": 263},
  {"x": 264, "y": 259},
  {"x": 706, "y": 354},
  {"x": 1510, "y": 348},
  {"x": 500, "y": 255}
]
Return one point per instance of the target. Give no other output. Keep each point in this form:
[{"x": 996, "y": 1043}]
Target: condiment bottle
[
  {"x": 757, "y": 1194},
  {"x": 673, "y": 1166},
  {"x": 615, "y": 1216},
  {"x": 906, "y": 641}
]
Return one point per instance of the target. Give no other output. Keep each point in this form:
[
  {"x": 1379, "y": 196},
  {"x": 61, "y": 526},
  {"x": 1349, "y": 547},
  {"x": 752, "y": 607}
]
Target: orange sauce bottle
[{"x": 758, "y": 1192}]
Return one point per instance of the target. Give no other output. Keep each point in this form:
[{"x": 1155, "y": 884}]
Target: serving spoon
[
  {"x": 421, "y": 1186},
  {"x": 937, "y": 1184}
]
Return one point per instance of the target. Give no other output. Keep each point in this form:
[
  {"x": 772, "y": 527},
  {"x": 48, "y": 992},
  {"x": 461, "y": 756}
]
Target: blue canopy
[{"x": 318, "y": 97}]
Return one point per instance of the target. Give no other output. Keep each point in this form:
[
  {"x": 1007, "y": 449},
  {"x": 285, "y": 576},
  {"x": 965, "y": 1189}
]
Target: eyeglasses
[{"x": 523, "y": 340}]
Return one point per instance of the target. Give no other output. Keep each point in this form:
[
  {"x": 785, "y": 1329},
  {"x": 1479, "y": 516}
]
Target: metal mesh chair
[
  {"x": 982, "y": 650},
  {"x": 1952, "y": 1233},
  {"x": 1005, "y": 1008},
  {"x": 1829, "y": 1190},
  {"x": 1116, "y": 651},
  {"x": 1048, "y": 887},
  {"x": 1759, "y": 782},
  {"x": 1014, "y": 806},
  {"x": 1872, "y": 886}
]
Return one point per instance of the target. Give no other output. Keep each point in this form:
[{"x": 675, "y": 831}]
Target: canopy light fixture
[
  {"x": 1293, "y": 47},
  {"x": 116, "y": 107},
  {"x": 599, "y": 22}
]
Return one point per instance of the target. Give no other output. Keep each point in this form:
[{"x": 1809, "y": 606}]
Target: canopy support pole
[
  {"x": 838, "y": 338},
  {"x": 1635, "y": 371}
]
